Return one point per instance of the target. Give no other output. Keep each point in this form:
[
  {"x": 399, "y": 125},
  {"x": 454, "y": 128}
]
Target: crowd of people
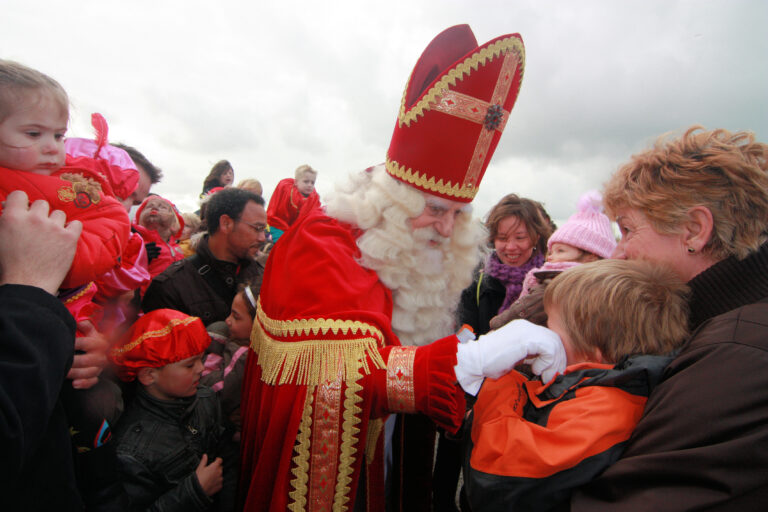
[{"x": 381, "y": 349}]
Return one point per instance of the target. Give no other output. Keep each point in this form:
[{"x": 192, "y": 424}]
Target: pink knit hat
[{"x": 589, "y": 229}]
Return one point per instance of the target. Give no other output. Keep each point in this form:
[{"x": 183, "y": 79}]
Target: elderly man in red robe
[{"x": 355, "y": 319}]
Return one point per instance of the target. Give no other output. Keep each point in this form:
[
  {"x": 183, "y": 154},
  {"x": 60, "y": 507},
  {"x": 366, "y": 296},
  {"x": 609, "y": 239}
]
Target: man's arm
[{"x": 36, "y": 330}]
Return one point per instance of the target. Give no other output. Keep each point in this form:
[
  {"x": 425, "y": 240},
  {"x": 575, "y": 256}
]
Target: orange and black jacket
[{"x": 532, "y": 443}]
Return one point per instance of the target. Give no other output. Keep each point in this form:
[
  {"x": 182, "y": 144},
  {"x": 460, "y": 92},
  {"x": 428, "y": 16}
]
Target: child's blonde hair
[
  {"x": 251, "y": 184},
  {"x": 17, "y": 79},
  {"x": 304, "y": 169},
  {"x": 620, "y": 307}
]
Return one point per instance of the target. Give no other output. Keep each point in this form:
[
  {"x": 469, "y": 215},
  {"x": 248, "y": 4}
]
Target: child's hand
[{"x": 210, "y": 476}]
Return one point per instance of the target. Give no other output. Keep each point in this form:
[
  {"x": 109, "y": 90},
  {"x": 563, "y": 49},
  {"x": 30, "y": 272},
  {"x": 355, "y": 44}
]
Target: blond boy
[{"x": 534, "y": 442}]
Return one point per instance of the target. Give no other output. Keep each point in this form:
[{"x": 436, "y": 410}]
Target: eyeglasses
[{"x": 258, "y": 228}]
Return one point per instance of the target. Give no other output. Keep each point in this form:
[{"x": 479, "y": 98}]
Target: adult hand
[
  {"x": 37, "y": 249},
  {"x": 210, "y": 476},
  {"x": 496, "y": 353},
  {"x": 90, "y": 356}
]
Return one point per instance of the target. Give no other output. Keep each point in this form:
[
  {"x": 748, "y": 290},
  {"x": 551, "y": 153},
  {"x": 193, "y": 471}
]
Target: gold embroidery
[
  {"x": 500, "y": 90},
  {"x": 325, "y": 444},
  {"x": 473, "y": 62},
  {"x": 349, "y": 432},
  {"x": 311, "y": 362},
  {"x": 88, "y": 288},
  {"x": 153, "y": 334},
  {"x": 374, "y": 431},
  {"x": 401, "y": 396},
  {"x": 80, "y": 185},
  {"x": 423, "y": 181},
  {"x": 467, "y": 107},
  {"x": 66, "y": 194},
  {"x": 301, "y": 460},
  {"x": 305, "y": 327}
]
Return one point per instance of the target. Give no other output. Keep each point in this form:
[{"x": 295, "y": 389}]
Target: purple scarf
[{"x": 511, "y": 277}]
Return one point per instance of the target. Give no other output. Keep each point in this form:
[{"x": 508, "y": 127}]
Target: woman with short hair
[{"x": 699, "y": 204}]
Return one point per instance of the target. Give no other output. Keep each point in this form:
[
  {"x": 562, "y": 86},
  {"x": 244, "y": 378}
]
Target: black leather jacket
[{"x": 160, "y": 444}]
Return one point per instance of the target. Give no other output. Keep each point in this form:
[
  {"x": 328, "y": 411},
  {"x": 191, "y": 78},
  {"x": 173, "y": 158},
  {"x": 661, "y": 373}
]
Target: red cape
[
  {"x": 286, "y": 204},
  {"x": 326, "y": 369}
]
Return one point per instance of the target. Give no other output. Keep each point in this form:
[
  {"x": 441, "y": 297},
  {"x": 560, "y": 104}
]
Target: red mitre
[
  {"x": 453, "y": 112},
  {"x": 159, "y": 338}
]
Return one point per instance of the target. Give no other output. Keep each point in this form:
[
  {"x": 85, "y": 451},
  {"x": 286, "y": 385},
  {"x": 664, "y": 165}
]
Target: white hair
[{"x": 426, "y": 282}]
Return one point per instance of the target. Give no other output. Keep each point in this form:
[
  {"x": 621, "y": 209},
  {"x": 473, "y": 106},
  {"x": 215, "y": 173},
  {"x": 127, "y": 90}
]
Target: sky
[{"x": 273, "y": 85}]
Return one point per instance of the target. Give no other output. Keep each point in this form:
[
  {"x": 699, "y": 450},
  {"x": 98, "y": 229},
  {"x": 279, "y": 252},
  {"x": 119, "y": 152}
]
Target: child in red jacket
[
  {"x": 535, "y": 442},
  {"x": 289, "y": 198}
]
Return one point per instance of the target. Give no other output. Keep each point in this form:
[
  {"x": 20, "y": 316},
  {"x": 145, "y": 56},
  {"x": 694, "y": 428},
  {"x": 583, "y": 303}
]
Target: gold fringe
[
  {"x": 473, "y": 62},
  {"x": 301, "y": 471},
  {"x": 348, "y": 442},
  {"x": 428, "y": 182},
  {"x": 313, "y": 362},
  {"x": 315, "y": 326},
  {"x": 374, "y": 430}
]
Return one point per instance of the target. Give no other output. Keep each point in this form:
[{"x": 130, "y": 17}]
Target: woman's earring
[{"x": 691, "y": 250}]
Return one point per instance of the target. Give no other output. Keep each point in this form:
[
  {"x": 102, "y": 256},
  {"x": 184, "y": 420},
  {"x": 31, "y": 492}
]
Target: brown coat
[
  {"x": 183, "y": 287},
  {"x": 702, "y": 443}
]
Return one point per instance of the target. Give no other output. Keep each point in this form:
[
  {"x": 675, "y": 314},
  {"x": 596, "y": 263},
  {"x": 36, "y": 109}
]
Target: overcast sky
[{"x": 272, "y": 85}]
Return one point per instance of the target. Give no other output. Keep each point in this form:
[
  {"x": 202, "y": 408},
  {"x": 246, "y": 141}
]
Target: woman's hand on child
[
  {"x": 496, "y": 353},
  {"x": 210, "y": 476}
]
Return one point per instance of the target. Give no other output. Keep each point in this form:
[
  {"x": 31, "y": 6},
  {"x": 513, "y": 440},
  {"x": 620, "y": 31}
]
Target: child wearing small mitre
[
  {"x": 533, "y": 442},
  {"x": 290, "y": 198},
  {"x": 173, "y": 451}
]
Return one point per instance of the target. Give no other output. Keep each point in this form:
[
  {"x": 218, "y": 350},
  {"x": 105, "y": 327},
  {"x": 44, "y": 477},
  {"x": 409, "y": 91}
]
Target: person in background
[
  {"x": 518, "y": 234},
  {"x": 172, "y": 450},
  {"x": 252, "y": 185},
  {"x": 149, "y": 174},
  {"x": 159, "y": 223},
  {"x": 192, "y": 225},
  {"x": 225, "y": 357},
  {"x": 533, "y": 442},
  {"x": 698, "y": 203},
  {"x": 586, "y": 236},
  {"x": 290, "y": 198},
  {"x": 221, "y": 175},
  {"x": 205, "y": 284}
]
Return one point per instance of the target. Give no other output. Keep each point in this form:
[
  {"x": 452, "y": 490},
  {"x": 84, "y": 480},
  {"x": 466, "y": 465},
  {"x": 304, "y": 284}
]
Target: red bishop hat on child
[
  {"x": 454, "y": 109},
  {"x": 159, "y": 338}
]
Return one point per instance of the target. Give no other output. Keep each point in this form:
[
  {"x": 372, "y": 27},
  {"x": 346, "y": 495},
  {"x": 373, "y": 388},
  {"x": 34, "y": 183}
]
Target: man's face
[
  {"x": 440, "y": 214},
  {"x": 141, "y": 192},
  {"x": 157, "y": 214},
  {"x": 247, "y": 235}
]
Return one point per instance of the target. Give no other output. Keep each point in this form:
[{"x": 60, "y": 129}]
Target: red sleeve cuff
[{"x": 422, "y": 379}]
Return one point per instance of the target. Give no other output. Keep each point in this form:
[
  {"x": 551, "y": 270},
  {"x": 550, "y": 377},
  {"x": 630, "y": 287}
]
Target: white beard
[{"x": 426, "y": 281}]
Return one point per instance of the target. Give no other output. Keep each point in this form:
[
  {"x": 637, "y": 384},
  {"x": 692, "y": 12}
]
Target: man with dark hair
[
  {"x": 204, "y": 284},
  {"x": 148, "y": 176}
]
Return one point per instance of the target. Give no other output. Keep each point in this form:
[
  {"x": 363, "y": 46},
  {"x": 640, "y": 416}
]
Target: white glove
[{"x": 496, "y": 353}]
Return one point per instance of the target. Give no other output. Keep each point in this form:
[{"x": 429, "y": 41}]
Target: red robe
[
  {"x": 325, "y": 371},
  {"x": 286, "y": 204},
  {"x": 80, "y": 193}
]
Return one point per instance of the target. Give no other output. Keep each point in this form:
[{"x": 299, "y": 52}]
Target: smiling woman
[{"x": 518, "y": 232}]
